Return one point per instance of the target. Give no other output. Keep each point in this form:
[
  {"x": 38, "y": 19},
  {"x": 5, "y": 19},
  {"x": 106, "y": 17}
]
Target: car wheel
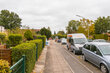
[
  {"x": 84, "y": 58},
  {"x": 104, "y": 68}
]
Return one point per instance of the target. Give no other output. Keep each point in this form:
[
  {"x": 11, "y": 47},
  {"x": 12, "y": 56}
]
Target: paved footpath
[{"x": 55, "y": 62}]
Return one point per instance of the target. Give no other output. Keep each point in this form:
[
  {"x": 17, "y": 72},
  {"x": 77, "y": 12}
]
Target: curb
[{"x": 40, "y": 64}]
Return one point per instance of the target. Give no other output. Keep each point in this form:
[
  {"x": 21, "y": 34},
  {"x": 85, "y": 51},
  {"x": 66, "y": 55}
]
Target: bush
[
  {"x": 43, "y": 39},
  {"x": 28, "y": 35},
  {"x": 14, "y": 39},
  {"x": 27, "y": 49},
  {"x": 101, "y": 36},
  {"x": 39, "y": 44},
  {"x": 2, "y": 37},
  {"x": 105, "y": 36},
  {"x": 61, "y": 36},
  {"x": 4, "y": 66}
]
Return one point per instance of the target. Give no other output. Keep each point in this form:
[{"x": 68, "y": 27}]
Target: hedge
[
  {"x": 41, "y": 37},
  {"x": 39, "y": 48},
  {"x": 4, "y": 66},
  {"x": 14, "y": 39},
  {"x": 101, "y": 36},
  {"x": 27, "y": 49},
  {"x": 2, "y": 37}
]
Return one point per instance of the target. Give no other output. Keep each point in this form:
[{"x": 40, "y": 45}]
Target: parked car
[
  {"x": 90, "y": 40},
  {"x": 98, "y": 53},
  {"x": 75, "y": 42},
  {"x": 63, "y": 41},
  {"x": 59, "y": 40},
  {"x": 99, "y": 40}
]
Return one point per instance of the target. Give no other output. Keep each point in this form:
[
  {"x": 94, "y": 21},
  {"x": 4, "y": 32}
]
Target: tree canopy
[
  {"x": 9, "y": 20},
  {"x": 72, "y": 26},
  {"x": 46, "y": 32},
  {"x": 102, "y": 24},
  {"x": 61, "y": 32}
]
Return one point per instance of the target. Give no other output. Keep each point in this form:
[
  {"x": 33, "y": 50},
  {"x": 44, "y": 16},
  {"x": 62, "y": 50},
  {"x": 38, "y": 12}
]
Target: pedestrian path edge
[{"x": 40, "y": 64}]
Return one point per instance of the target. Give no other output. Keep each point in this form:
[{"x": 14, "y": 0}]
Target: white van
[{"x": 75, "y": 42}]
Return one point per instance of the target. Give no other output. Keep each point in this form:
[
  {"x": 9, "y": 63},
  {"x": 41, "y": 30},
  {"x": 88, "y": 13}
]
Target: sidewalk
[
  {"x": 39, "y": 66},
  {"x": 55, "y": 63}
]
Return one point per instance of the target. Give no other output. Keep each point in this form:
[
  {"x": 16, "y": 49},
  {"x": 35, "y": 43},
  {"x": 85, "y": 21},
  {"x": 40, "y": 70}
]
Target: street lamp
[{"x": 86, "y": 23}]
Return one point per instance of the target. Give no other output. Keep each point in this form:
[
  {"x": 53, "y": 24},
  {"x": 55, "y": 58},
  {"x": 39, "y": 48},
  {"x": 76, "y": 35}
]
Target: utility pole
[{"x": 86, "y": 23}]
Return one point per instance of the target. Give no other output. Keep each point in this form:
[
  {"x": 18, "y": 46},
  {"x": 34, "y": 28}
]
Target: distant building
[
  {"x": 36, "y": 30},
  {"x": 2, "y": 29}
]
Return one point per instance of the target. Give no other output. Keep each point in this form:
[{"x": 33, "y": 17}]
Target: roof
[
  {"x": 98, "y": 43},
  {"x": 76, "y": 35},
  {"x": 36, "y": 30}
]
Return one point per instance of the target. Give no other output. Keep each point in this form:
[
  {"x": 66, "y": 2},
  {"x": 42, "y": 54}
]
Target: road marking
[
  {"x": 69, "y": 66},
  {"x": 79, "y": 62}
]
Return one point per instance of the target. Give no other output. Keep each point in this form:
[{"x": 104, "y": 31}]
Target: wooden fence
[{"x": 5, "y": 54}]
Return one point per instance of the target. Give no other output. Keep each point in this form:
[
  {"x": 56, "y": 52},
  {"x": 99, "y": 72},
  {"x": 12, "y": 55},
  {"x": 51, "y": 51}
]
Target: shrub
[
  {"x": 39, "y": 48},
  {"x": 43, "y": 39},
  {"x": 28, "y": 35},
  {"x": 27, "y": 49},
  {"x": 105, "y": 36},
  {"x": 61, "y": 36},
  {"x": 4, "y": 66},
  {"x": 101, "y": 36},
  {"x": 2, "y": 37},
  {"x": 14, "y": 39}
]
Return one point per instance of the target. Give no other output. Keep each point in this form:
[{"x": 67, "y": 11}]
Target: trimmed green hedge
[
  {"x": 39, "y": 48},
  {"x": 27, "y": 49},
  {"x": 101, "y": 36},
  {"x": 14, "y": 39},
  {"x": 41, "y": 37}
]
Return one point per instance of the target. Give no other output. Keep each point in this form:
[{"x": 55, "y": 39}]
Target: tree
[
  {"x": 92, "y": 29},
  {"x": 72, "y": 26},
  {"x": 102, "y": 24},
  {"x": 45, "y": 32},
  {"x": 61, "y": 32},
  {"x": 54, "y": 33},
  {"x": 48, "y": 28},
  {"x": 81, "y": 29},
  {"x": 28, "y": 35},
  {"x": 9, "y": 20}
]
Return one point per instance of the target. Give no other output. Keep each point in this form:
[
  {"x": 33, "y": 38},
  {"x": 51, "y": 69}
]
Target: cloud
[{"x": 55, "y": 13}]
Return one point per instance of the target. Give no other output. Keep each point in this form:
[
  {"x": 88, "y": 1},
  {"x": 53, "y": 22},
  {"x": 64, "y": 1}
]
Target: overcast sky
[{"x": 55, "y": 13}]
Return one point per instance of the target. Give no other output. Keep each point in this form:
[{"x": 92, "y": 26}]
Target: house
[{"x": 2, "y": 29}]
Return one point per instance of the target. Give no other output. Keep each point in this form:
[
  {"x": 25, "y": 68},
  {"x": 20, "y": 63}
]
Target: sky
[{"x": 55, "y": 13}]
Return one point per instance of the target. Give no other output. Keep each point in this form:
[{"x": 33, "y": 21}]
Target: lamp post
[{"x": 86, "y": 23}]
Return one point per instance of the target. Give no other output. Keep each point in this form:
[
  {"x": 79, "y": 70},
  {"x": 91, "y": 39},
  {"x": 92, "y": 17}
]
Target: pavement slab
[{"x": 55, "y": 62}]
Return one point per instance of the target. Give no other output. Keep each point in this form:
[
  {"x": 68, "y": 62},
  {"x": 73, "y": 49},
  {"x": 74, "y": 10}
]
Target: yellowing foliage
[{"x": 4, "y": 66}]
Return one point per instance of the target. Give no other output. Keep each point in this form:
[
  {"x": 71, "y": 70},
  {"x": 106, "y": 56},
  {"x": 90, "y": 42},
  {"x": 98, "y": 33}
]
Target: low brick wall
[{"x": 5, "y": 54}]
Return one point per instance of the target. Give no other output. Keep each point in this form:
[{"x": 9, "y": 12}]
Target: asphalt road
[{"x": 76, "y": 62}]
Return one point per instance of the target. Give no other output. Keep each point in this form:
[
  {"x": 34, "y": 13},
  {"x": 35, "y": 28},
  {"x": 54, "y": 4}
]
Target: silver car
[{"x": 98, "y": 53}]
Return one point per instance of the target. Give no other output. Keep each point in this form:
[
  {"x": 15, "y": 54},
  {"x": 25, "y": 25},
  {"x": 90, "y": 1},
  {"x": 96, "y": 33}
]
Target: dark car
[{"x": 59, "y": 40}]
